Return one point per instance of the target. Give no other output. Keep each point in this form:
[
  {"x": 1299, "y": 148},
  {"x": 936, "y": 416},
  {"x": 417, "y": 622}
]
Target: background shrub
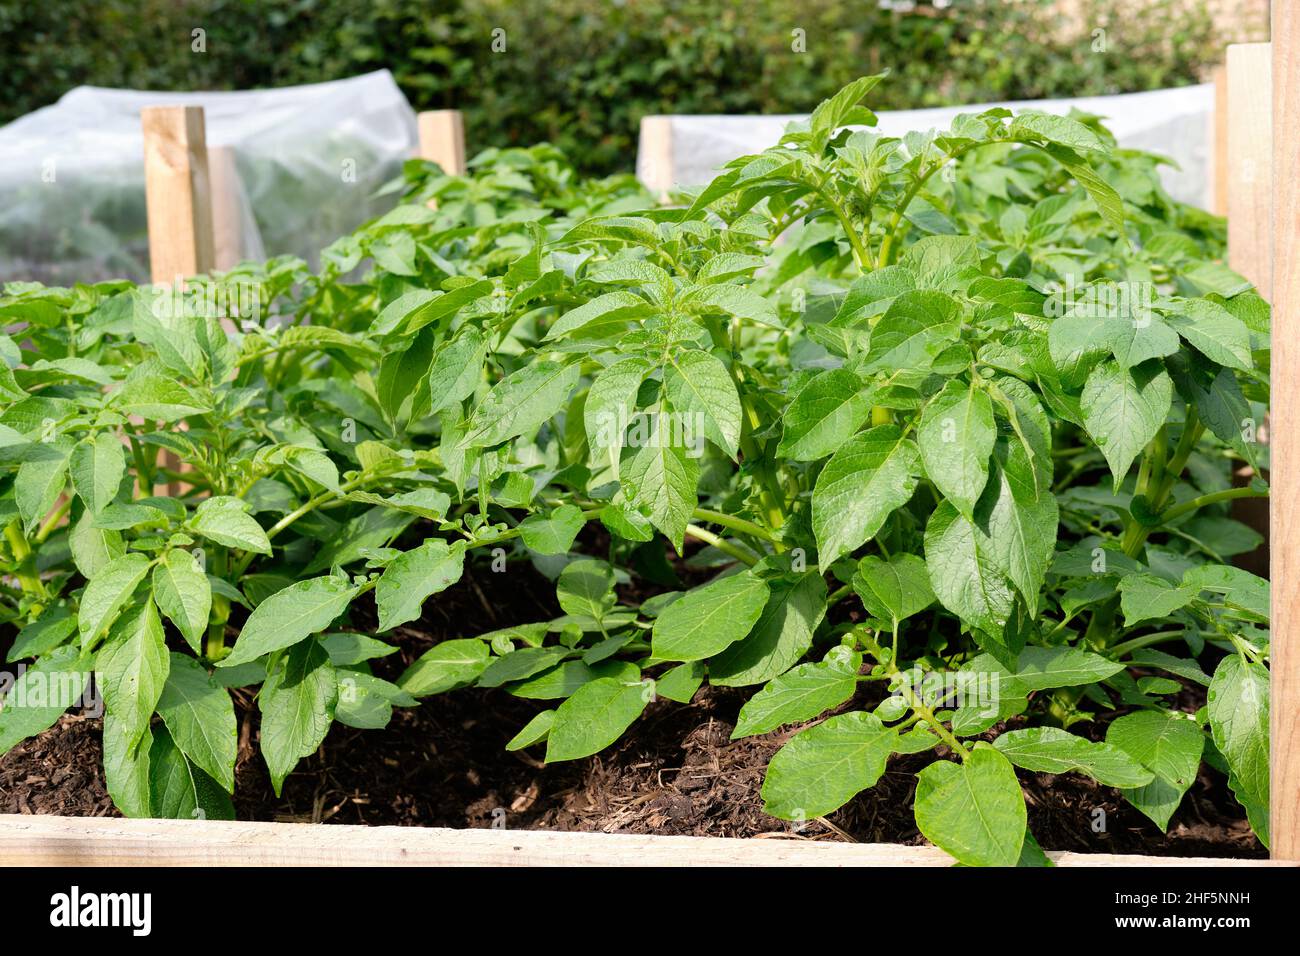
[{"x": 581, "y": 73}]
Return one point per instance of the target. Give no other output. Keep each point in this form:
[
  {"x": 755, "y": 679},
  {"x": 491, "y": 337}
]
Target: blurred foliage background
[{"x": 581, "y": 73}]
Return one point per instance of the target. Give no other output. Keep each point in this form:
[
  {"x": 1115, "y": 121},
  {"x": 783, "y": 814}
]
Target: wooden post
[
  {"x": 227, "y": 212},
  {"x": 1249, "y": 178},
  {"x": 655, "y": 155},
  {"x": 177, "y": 192},
  {"x": 1219, "y": 129},
  {"x": 1284, "y": 763},
  {"x": 1250, "y": 163},
  {"x": 442, "y": 139},
  {"x": 178, "y": 203}
]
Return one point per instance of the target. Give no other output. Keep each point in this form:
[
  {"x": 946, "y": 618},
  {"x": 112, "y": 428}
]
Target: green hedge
[{"x": 585, "y": 71}]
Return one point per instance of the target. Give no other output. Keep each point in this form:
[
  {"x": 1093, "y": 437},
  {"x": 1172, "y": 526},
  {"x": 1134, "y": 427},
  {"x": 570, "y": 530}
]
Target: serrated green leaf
[
  {"x": 974, "y": 810},
  {"x": 824, "y": 415},
  {"x": 182, "y": 591},
  {"x": 297, "y": 706},
  {"x": 1052, "y": 750},
  {"x": 861, "y": 485},
  {"x": 594, "y": 717},
  {"x": 289, "y": 616},
  {"x": 710, "y": 618},
  {"x": 412, "y": 577},
  {"x": 825, "y": 766},
  {"x": 200, "y": 718}
]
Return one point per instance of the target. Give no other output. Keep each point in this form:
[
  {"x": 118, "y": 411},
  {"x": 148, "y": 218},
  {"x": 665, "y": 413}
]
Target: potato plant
[{"x": 957, "y": 415}]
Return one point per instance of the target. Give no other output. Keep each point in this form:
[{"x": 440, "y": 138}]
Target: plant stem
[
  {"x": 1213, "y": 498},
  {"x": 26, "y": 562},
  {"x": 861, "y": 255},
  {"x": 1146, "y": 640},
  {"x": 53, "y": 520},
  {"x": 726, "y": 547},
  {"x": 732, "y": 522},
  {"x": 839, "y": 594}
]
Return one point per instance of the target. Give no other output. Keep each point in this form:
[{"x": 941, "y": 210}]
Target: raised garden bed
[{"x": 912, "y": 526}]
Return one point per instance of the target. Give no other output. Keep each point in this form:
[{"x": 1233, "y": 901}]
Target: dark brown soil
[{"x": 675, "y": 772}]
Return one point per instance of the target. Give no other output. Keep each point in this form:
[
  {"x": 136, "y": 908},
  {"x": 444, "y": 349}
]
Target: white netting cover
[
  {"x": 1176, "y": 123},
  {"x": 309, "y": 159}
]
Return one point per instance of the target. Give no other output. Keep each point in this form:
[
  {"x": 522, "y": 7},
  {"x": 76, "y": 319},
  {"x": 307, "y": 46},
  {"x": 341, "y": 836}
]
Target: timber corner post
[
  {"x": 178, "y": 192},
  {"x": 442, "y": 139},
  {"x": 1284, "y": 712},
  {"x": 178, "y": 204}
]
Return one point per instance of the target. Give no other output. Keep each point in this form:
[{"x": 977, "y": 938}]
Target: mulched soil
[{"x": 676, "y": 772}]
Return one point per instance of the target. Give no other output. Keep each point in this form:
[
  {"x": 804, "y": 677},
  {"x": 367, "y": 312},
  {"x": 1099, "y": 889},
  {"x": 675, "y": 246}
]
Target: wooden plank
[
  {"x": 178, "y": 201},
  {"x": 227, "y": 211},
  {"x": 1249, "y": 124},
  {"x": 442, "y": 139},
  {"x": 177, "y": 192},
  {"x": 655, "y": 155},
  {"x": 1250, "y": 163},
  {"x": 1219, "y": 158},
  {"x": 105, "y": 841},
  {"x": 1284, "y": 763}
]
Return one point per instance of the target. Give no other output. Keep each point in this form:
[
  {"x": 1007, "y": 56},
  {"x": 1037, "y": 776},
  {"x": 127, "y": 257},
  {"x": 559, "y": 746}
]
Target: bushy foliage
[
  {"x": 581, "y": 73},
  {"x": 954, "y": 414}
]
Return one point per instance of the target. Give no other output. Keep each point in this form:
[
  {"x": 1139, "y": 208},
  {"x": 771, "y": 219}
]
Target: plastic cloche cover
[
  {"x": 308, "y": 158},
  {"x": 1175, "y": 123}
]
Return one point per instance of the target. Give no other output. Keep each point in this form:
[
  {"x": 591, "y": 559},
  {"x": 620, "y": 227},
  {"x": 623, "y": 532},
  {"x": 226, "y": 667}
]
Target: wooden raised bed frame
[{"x": 1265, "y": 204}]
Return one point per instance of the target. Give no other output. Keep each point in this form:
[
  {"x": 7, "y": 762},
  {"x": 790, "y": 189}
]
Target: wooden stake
[
  {"x": 1284, "y": 765},
  {"x": 1249, "y": 125},
  {"x": 177, "y": 192},
  {"x": 1220, "y": 144},
  {"x": 227, "y": 213},
  {"x": 655, "y": 155},
  {"x": 178, "y": 201},
  {"x": 1250, "y": 163},
  {"x": 442, "y": 139}
]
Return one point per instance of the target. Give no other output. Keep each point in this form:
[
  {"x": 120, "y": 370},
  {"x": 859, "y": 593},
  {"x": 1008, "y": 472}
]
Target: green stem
[
  {"x": 53, "y": 520},
  {"x": 924, "y": 710},
  {"x": 726, "y": 547},
  {"x": 1230, "y": 494},
  {"x": 26, "y": 562},
  {"x": 839, "y": 594},
  {"x": 311, "y": 505},
  {"x": 733, "y": 523},
  {"x": 215, "y": 645},
  {"x": 861, "y": 255},
  {"x": 1146, "y": 640}
]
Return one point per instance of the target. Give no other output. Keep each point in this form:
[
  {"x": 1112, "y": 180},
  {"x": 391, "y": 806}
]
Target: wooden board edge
[{"x": 109, "y": 841}]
